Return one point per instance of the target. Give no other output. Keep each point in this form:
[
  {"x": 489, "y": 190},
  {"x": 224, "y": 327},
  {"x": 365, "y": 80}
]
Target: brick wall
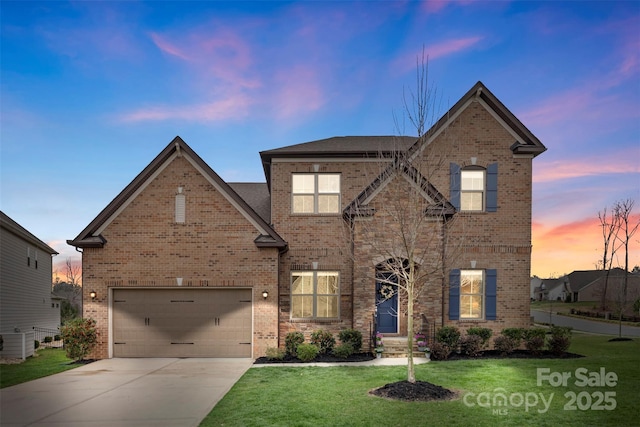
[{"x": 213, "y": 248}]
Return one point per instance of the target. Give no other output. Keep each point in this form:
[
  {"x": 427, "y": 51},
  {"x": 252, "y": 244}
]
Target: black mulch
[
  {"x": 356, "y": 357},
  {"x": 517, "y": 354},
  {"x": 420, "y": 391}
]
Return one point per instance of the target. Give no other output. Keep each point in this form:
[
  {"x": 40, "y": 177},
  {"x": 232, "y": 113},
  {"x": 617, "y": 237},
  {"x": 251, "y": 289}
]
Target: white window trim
[
  {"x": 483, "y": 303},
  {"x": 483, "y": 192}
]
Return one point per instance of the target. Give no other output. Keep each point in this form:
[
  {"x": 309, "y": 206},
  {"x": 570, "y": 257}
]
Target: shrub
[
  {"x": 448, "y": 335},
  {"x": 560, "y": 339},
  {"x": 353, "y": 337},
  {"x": 343, "y": 350},
  {"x": 534, "y": 339},
  {"x": 307, "y": 352},
  {"x": 292, "y": 341},
  {"x": 440, "y": 351},
  {"x": 56, "y": 337},
  {"x": 80, "y": 337},
  {"x": 36, "y": 344},
  {"x": 505, "y": 344},
  {"x": 471, "y": 345},
  {"x": 515, "y": 334},
  {"x": 483, "y": 333},
  {"x": 275, "y": 353},
  {"x": 48, "y": 339},
  {"x": 324, "y": 340}
]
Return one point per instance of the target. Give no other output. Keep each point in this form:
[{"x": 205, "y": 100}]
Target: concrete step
[{"x": 397, "y": 347}]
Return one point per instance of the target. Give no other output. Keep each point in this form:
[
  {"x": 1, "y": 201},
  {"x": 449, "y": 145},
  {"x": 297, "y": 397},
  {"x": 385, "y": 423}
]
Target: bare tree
[
  {"x": 401, "y": 221},
  {"x": 73, "y": 271},
  {"x": 609, "y": 223},
  {"x": 627, "y": 227}
]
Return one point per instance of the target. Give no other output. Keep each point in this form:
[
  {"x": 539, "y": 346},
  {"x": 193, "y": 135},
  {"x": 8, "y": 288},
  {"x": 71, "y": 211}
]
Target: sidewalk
[{"x": 385, "y": 361}]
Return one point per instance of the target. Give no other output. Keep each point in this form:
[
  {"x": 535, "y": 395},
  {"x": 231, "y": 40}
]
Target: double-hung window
[
  {"x": 315, "y": 294},
  {"x": 471, "y": 294},
  {"x": 472, "y": 190},
  {"x": 315, "y": 193}
]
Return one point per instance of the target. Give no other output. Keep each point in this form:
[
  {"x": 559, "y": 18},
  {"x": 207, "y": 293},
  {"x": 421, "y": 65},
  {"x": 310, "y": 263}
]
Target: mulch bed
[
  {"x": 328, "y": 358},
  {"x": 517, "y": 354},
  {"x": 420, "y": 391}
]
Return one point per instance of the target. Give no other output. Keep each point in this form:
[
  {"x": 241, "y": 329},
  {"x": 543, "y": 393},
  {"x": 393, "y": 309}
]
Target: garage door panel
[{"x": 182, "y": 322}]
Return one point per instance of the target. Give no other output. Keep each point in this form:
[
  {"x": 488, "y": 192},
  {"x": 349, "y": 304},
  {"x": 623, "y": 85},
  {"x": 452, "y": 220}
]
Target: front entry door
[{"x": 387, "y": 306}]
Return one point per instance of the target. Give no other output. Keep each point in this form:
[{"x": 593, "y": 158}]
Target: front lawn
[
  {"x": 48, "y": 361},
  {"x": 312, "y": 396}
]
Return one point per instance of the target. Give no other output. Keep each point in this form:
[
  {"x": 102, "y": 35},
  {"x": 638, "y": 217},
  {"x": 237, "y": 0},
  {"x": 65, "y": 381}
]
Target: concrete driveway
[{"x": 123, "y": 392}]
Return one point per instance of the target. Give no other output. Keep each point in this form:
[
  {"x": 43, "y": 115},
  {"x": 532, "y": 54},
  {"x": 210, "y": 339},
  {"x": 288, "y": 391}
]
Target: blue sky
[{"x": 91, "y": 92}]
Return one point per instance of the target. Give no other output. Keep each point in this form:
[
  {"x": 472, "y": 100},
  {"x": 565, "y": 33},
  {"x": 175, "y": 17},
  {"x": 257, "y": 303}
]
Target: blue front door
[{"x": 387, "y": 306}]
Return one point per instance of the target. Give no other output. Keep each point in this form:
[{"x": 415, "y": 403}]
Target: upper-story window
[
  {"x": 472, "y": 190},
  {"x": 315, "y": 193}
]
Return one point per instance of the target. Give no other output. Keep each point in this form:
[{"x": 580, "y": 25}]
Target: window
[
  {"x": 471, "y": 294},
  {"x": 315, "y": 193},
  {"x": 472, "y": 190},
  {"x": 314, "y": 294}
]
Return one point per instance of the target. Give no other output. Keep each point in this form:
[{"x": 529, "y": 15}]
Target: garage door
[{"x": 182, "y": 322}]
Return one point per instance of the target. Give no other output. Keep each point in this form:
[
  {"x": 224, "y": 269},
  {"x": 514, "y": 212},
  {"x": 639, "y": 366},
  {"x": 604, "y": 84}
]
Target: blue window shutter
[
  {"x": 492, "y": 187},
  {"x": 454, "y": 180},
  {"x": 454, "y": 295},
  {"x": 491, "y": 288}
]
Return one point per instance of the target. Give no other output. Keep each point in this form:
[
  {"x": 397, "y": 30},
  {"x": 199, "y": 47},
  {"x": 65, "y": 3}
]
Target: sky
[{"x": 92, "y": 91}]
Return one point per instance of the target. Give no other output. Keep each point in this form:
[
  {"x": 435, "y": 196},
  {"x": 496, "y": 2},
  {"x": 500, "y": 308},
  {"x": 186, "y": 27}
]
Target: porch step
[{"x": 397, "y": 347}]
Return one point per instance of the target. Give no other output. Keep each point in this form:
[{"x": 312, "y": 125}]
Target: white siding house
[{"x": 25, "y": 288}]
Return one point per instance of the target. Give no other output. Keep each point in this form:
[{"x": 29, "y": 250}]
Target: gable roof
[
  {"x": 256, "y": 194},
  {"x": 91, "y": 235},
  {"x": 358, "y": 207},
  {"x": 582, "y": 278},
  {"x": 15, "y": 228},
  {"x": 525, "y": 142},
  {"x": 339, "y": 147}
]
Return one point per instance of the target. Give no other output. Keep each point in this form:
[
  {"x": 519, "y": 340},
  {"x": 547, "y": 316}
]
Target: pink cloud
[
  {"x": 224, "y": 109},
  {"x": 607, "y": 164},
  {"x": 167, "y": 47},
  {"x": 299, "y": 92},
  {"x": 447, "y": 47},
  {"x": 435, "y": 6}
]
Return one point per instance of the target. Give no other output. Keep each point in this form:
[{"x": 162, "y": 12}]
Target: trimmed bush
[
  {"x": 534, "y": 339},
  {"x": 515, "y": 334},
  {"x": 80, "y": 337},
  {"x": 48, "y": 339},
  {"x": 560, "y": 339},
  {"x": 484, "y": 334},
  {"x": 505, "y": 344},
  {"x": 36, "y": 344},
  {"x": 353, "y": 337},
  {"x": 292, "y": 341},
  {"x": 440, "y": 351},
  {"x": 448, "y": 335},
  {"x": 57, "y": 338},
  {"x": 274, "y": 353},
  {"x": 343, "y": 350},
  {"x": 307, "y": 352},
  {"x": 471, "y": 345},
  {"x": 324, "y": 340}
]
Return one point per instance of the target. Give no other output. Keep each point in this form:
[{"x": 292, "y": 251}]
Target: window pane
[
  {"x": 327, "y": 283},
  {"x": 302, "y": 306},
  {"x": 303, "y": 204},
  {"x": 471, "y": 201},
  {"x": 302, "y": 283},
  {"x": 328, "y": 204},
  {"x": 327, "y": 306},
  {"x": 328, "y": 183},
  {"x": 472, "y": 180},
  {"x": 471, "y": 282},
  {"x": 303, "y": 183}
]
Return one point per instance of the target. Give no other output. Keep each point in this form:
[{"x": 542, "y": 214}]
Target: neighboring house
[
  {"x": 552, "y": 289},
  {"x": 588, "y": 285},
  {"x": 26, "y": 300},
  {"x": 534, "y": 288},
  {"x": 183, "y": 264}
]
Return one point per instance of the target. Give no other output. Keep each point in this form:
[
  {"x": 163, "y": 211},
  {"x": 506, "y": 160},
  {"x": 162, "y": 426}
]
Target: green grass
[
  {"x": 338, "y": 396},
  {"x": 48, "y": 361}
]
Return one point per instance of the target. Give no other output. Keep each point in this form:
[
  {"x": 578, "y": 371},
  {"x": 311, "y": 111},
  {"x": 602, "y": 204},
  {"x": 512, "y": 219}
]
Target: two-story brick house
[{"x": 181, "y": 263}]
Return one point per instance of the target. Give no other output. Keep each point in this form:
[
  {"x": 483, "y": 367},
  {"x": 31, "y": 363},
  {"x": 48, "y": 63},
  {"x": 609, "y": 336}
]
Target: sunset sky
[{"x": 91, "y": 92}]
